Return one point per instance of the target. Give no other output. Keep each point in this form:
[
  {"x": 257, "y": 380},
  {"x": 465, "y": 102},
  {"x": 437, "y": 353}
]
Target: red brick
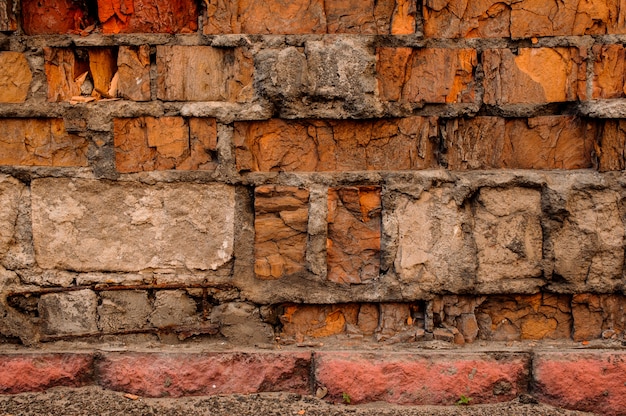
[
  {"x": 151, "y": 16},
  {"x": 21, "y": 373},
  {"x": 593, "y": 381},
  {"x": 612, "y": 146},
  {"x": 483, "y": 19},
  {"x": 335, "y": 145},
  {"x": 428, "y": 75},
  {"x": 8, "y": 22},
  {"x": 40, "y": 142},
  {"x": 608, "y": 71},
  {"x": 354, "y": 224},
  {"x": 534, "y": 75},
  {"x": 420, "y": 379},
  {"x": 180, "y": 374},
  {"x": 306, "y": 16},
  {"x": 15, "y": 77},
  {"x": 41, "y": 17},
  {"x": 149, "y": 143}
]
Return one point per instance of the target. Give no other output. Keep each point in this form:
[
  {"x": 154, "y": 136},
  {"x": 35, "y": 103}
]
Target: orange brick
[
  {"x": 612, "y": 146},
  {"x": 310, "y": 16},
  {"x": 15, "y": 77},
  {"x": 595, "y": 315},
  {"x": 335, "y": 145},
  {"x": 40, "y": 142},
  {"x": 426, "y": 75},
  {"x": 149, "y": 143},
  {"x": 151, "y": 16},
  {"x": 354, "y": 224},
  {"x": 40, "y": 17},
  {"x": 454, "y": 19},
  {"x": 203, "y": 73},
  {"x": 608, "y": 71},
  {"x": 549, "y": 142},
  {"x": 133, "y": 67},
  {"x": 534, "y": 75}
]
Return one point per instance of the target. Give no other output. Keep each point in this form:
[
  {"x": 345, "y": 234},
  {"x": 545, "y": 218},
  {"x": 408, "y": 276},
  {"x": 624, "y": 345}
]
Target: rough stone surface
[
  {"x": 353, "y": 244},
  {"x": 133, "y": 66},
  {"x": 40, "y": 142},
  {"x": 151, "y": 143},
  {"x": 69, "y": 312},
  {"x": 415, "y": 379},
  {"x": 432, "y": 75},
  {"x": 41, "y": 17},
  {"x": 533, "y": 75},
  {"x": 123, "y": 310},
  {"x": 203, "y": 73},
  {"x": 175, "y": 375},
  {"x": 161, "y": 16},
  {"x": 89, "y": 225},
  {"x": 15, "y": 77},
  {"x": 326, "y": 145},
  {"x": 280, "y": 225}
]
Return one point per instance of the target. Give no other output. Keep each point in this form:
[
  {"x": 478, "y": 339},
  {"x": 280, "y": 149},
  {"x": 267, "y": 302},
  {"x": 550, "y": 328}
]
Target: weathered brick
[
  {"x": 152, "y": 16},
  {"x": 421, "y": 379},
  {"x": 429, "y": 75},
  {"x": 20, "y": 373},
  {"x": 40, "y": 142},
  {"x": 102, "y": 68},
  {"x": 173, "y": 307},
  {"x": 598, "y": 316},
  {"x": 612, "y": 147},
  {"x": 40, "y": 17},
  {"x": 133, "y": 68},
  {"x": 8, "y": 22},
  {"x": 123, "y": 310},
  {"x": 15, "y": 77},
  {"x": 534, "y": 75},
  {"x": 317, "y": 16},
  {"x": 453, "y": 19},
  {"x": 608, "y": 71},
  {"x": 329, "y": 145},
  {"x": 546, "y": 142},
  {"x": 62, "y": 72},
  {"x": 149, "y": 143},
  {"x": 353, "y": 245},
  {"x": 179, "y": 374},
  {"x": 90, "y": 225},
  {"x": 280, "y": 225},
  {"x": 593, "y": 381},
  {"x": 68, "y": 312},
  {"x": 204, "y": 73}
]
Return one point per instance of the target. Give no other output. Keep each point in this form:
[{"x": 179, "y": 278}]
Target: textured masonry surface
[{"x": 356, "y": 173}]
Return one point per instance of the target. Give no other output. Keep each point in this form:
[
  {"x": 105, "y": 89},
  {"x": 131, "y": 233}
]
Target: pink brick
[
  {"x": 37, "y": 372},
  {"x": 592, "y": 381},
  {"x": 175, "y": 375},
  {"x": 422, "y": 379}
]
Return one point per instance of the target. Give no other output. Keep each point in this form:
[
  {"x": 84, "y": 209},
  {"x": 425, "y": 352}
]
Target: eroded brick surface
[
  {"x": 353, "y": 246},
  {"x": 203, "y": 73},
  {"x": 533, "y": 75},
  {"x": 598, "y": 316},
  {"x": 8, "y": 22},
  {"x": 62, "y": 70},
  {"x": 429, "y": 75},
  {"x": 149, "y": 143},
  {"x": 40, "y": 17},
  {"x": 453, "y": 19},
  {"x": 15, "y": 77},
  {"x": 318, "y": 145},
  {"x": 161, "y": 16},
  {"x": 317, "y": 16},
  {"x": 280, "y": 225},
  {"x": 611, "y": 152},
  {"x": 608, "y": 71},
  {"x": 133, "y": 66},
  {"x": 10, "y": 192},
  {"x": 40, "y": 142}
]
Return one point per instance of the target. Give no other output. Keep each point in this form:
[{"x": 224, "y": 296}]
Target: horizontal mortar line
[
  {"x": 207, "y": 329},
  {"x": 101, "y": 287}
]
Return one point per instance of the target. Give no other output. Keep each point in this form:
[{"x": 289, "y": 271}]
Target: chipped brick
[
  {"x": 15, "y": 77},
  {"x": 133, "y": 66},
  {"x": 608, "y": 71}
]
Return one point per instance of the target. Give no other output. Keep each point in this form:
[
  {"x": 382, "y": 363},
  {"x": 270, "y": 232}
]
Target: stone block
[
  {"x": 68, "y": 312},
  {"x": 180, "y": 374},
  {"x": 476, "y": 19},
  {"x": 353, "y": 245},
  {"x": 150, "y": 143},
  {"x": 335, "y": 145},
  {"x": 133, "y": 68},
  {"x": 430, "y": 75},
  {"x": 595, "y": 315},
  {"x": 123, "y": 310},
  {"x": 508, "y": 234},
  {"x": 154, "y": 16},
  {"x": 280, "y": 226},
  {"x": 421, "y": 379},
  {"x": 534, "y": 75},
  {"x": 608, "y": 71},
  {"x": 40, "y": 142},
  {"x": 8, "y": 22},
  {"x": 91, "y": 225},
  {"x": 15, "y": 77},
  {"x": 45, "y": 17},
  {"x": 204, "y": 73},
  {"x": 173, "y": 307}
]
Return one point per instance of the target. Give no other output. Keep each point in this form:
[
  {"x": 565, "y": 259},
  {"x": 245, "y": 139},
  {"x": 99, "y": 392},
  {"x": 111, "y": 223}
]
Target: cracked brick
[{"x": 155, "y": 16}]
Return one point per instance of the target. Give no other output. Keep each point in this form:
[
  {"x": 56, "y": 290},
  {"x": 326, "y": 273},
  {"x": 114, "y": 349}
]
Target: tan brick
[
  {"x": 612, "y": 147},
  {"x": 203, "y": 73},
  {"x": 335, "y": 145},
  {"x": 8, "y": 22},
  {"x": 598, "y": 316},
  {"x": 41, "y": 17},
  {"x": 133, "y": 67},
  {"x": 547, "y": 142},
  {"x": 429, "y": 75},
  {"x": 152, "y": 16},
  {"x": 15, "y": 77},
  {"x": 149, "y": 143},
  {"x": 608, "y": 71},
  {"x": 306, "y": 16},
  {"x": 354, "y": 223},
  {"x": 479, "y": 18},
  {"x": 280, "y": 224},
  {"x": 534, "y": 75},
  {"x": 40, "y": 142}
]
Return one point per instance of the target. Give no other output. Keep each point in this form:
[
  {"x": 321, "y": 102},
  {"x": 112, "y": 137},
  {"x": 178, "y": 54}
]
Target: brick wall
[{"x": 258, "y": 173}]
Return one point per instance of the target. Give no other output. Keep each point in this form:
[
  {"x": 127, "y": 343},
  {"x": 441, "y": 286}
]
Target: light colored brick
[{"x": 69, "y": 312}]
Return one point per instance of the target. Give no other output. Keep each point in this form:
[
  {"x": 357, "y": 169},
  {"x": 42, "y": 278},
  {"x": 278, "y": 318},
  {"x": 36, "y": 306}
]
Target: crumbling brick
[
  {"x": 608, "y": 71},
  {"x": 15, "y": 77},
  {"x": 133, "y": 67},
  {"x": 611, "y": 149}
]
